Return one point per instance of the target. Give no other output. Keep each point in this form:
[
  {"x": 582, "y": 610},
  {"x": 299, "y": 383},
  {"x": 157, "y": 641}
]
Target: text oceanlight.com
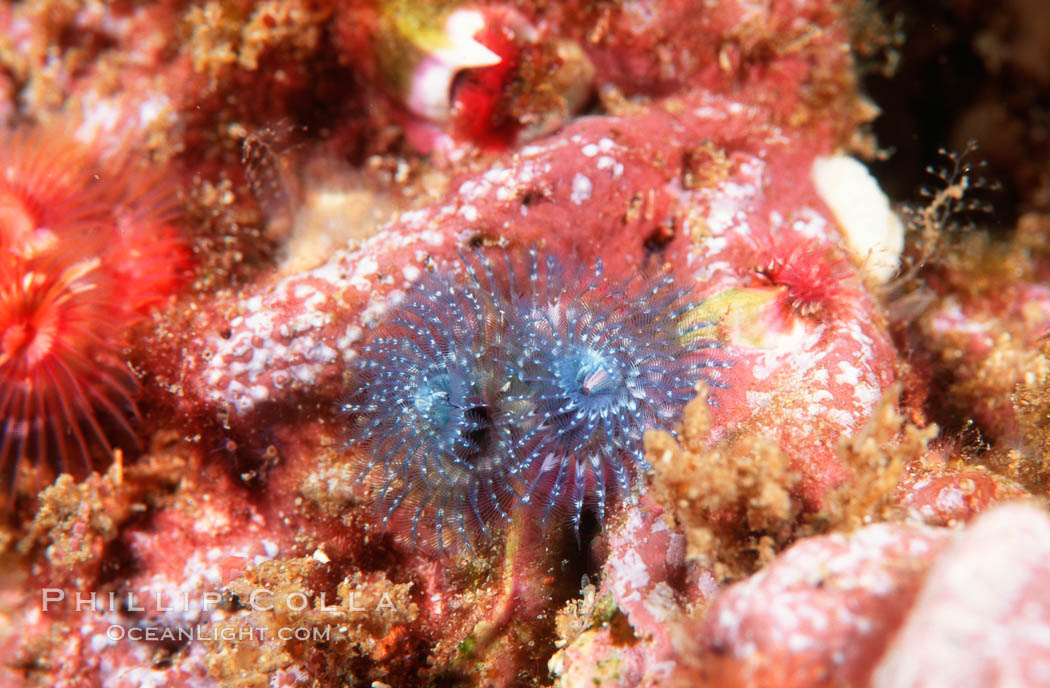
[{"x": 205, "y": 632}]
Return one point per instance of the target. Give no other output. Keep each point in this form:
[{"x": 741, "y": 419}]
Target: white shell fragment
[
  {"x": 429, "y": 91},
  {"x": 873, "y": 233}
]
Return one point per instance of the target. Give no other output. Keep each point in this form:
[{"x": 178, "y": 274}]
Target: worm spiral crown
[
  {"x": 513, "y": 381},
  {"x": 88, "y": 248}
]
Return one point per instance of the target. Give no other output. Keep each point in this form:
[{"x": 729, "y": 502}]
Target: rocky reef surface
[{"x": 212, "y": 212}]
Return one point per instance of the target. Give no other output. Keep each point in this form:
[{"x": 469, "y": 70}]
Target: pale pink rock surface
[
  {"x": 887, "y": 605},
  {"x": 822, "y": 612},
  {"x": 982, "y": 617}
]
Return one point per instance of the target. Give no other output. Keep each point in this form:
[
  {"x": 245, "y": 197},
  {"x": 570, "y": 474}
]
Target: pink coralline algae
[
  {"x": 822, "y": 509},
  {"x": 993, "y": 337},
  {"x": 182, "y": 561},
  {"x": 642, "y": 597},
  {"x": 595, "y": 191}
]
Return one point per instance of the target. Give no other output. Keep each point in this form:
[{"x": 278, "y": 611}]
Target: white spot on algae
[
  {"x": 873, "y": 233},
  {"x": 581, "y": 189},
  {"x": 365, "y": 269}
]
